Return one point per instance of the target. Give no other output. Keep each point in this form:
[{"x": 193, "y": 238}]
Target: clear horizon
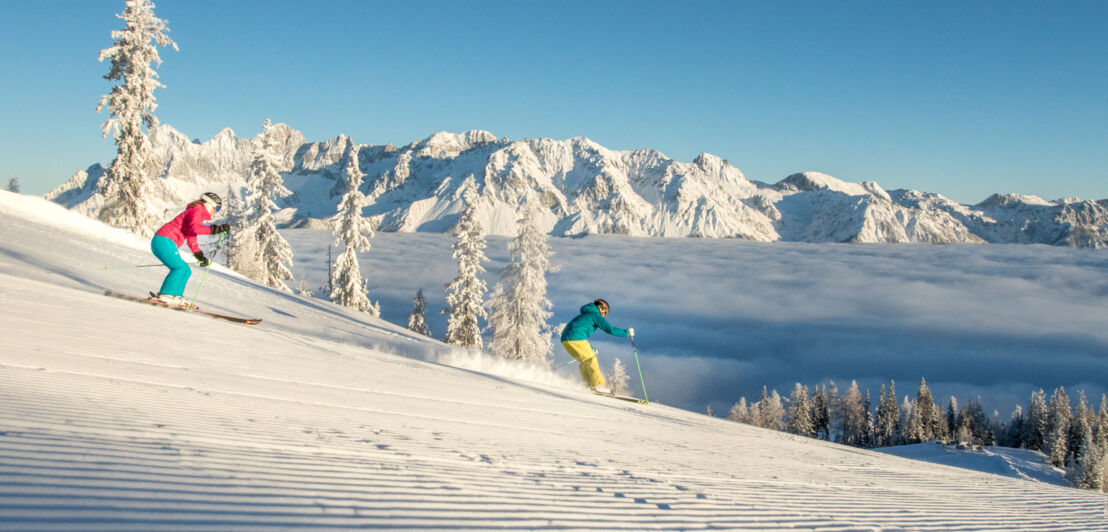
[{"x": 963, "y": 100}]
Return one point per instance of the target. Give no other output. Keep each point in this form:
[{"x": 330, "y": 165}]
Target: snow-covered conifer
[
  {"x": 266, "y": 185},
  {"x": 518, "y": 307},
  {"x": 1014, "y": 431},
  {"x": 834, "y": 410},
  {"x": 973, "y": 416},
  {"x": 888, "y": 417},
  {"x": 13, "y": 185},
  {"x": 869, "y": 430},
  {"x": 417, "y": 320},
  {"x": 353, "y": 231},
  {"x": 241, "y": 242},
  {"x": 618, "y": 380},
  {"x": 821, "y": 414},
  {"x": 1082, "y": 420},
  {"x": 771, "y": 412},
  {"x": 853, "y": 417},
  {"x": 465, "y": 294},
  {"x": 127, "y": 185},
  {"x": 924, "y": 421},
  {"x": 1100, "y": 437},
  {"x": 905, "y": 421},
  {"x": 740, "y": 412},
  {"x": 1035, "y": 425},
  {"x": 1087, "y": 468},
  {"x": 1100, "y": 426},
  {"x": 1058, "y": 424},
  {"x": 799, "y": 412},
  {"x": 952, "y": 411}
]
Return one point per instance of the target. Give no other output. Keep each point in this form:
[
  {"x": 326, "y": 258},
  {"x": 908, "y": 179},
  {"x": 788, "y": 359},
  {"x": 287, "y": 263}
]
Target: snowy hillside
[
  {"x": 120, "y": 416},
  {"x": 586, "y": 188}
]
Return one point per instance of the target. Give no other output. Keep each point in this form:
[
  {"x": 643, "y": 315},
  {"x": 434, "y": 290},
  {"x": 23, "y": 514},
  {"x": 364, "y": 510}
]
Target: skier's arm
[
  {"x": 610, "y": 329},
  {"x": 193, "y": 225}
]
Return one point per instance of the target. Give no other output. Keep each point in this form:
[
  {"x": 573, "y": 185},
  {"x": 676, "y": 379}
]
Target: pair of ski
[
  {"x": 622, "y": 397},
  {"x": 153, "y": 300}
]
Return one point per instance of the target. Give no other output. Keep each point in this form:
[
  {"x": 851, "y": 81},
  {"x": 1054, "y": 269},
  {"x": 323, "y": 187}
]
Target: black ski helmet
[
  {"x": 601, "y": 302},
  {"x": 213, "y": 199}
]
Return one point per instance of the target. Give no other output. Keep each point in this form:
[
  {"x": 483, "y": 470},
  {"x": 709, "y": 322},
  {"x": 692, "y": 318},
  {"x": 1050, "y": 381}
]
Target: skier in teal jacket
[{"x": 575, "y": 339}]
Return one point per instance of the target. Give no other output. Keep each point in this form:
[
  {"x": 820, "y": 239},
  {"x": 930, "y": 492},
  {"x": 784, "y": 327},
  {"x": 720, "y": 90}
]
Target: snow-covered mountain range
[{"x": 585, "y": 188}]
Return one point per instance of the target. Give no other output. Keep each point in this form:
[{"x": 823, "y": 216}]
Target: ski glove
[
  {"x": 631, "y": 332},
  {"x": 201, "y": 259},
  {"x": 220, "y": 228}
]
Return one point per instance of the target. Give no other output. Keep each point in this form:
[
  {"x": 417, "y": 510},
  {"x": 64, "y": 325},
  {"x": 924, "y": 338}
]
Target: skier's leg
[
  {"x": 590, "y": 371},
  {"x": 589, "y": 367},
  {"x": 166, "y": 251}
]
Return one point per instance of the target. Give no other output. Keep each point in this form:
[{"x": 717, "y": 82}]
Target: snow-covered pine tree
[
  {"x": 888, "y": 417},
  {"x": 618, "y": 379},
  {"x": 1100, "y": 437},
  {"x": 771, "y": 412},
  {"x": 740, "y": 412},
  {"x": 799, "y": 413},
  {"x": 1100, "y": 426},
  {"x": 1014, "y": 432},
  {"x": 417, "y": 320},
  {"x": 1035, "y": 425},
  {"x": 13, "y": 185},
  {"x": 869, "y": 432},
  {"x": 978, "y": 423},
  {"x": 266, "y": 185},
  {"x": 1087, "y": 468},
  {"x": 353, "y": 231},
  {"x": 998, "y": 428},
  {"x": 518, "y": 307},
  {"x": 126, "y": 186},
  {"x": 952, "y": 412},
  {"x": 905, "y": 421},
  {"x": 923, "y": 423},
  {"x": 241, "y": 242},
  {"x": 1058, "y": 425},
  {"x": 834, "y": 410},
  {"x": 465, "y": 294},
  {"x": 821, "y": 413},
  {"x": 1082, "y": 420},
  {"x": 853, "y": 421},
  {"x": 303, "y": 290}
]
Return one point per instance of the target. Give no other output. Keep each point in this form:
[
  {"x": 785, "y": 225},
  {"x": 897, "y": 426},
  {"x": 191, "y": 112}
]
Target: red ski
[{"x": 156, "y": 303}]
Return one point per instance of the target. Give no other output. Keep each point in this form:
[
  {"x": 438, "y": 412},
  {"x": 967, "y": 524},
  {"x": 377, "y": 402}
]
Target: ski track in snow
[{"x": 119, "y": 416}]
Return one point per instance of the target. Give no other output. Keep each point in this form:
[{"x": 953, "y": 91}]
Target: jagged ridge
[{"x": 585, "y": 188}]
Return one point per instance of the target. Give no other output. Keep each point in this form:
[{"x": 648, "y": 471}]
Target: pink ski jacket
[{"x": 187, "y": 225}]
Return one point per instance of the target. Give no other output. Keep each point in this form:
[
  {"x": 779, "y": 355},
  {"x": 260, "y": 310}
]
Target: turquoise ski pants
[{"x": 179, "y": 272}]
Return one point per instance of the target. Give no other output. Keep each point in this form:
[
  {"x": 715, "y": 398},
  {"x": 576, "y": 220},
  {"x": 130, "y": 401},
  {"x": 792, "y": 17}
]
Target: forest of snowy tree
[{"x": 1075, "y": 438}]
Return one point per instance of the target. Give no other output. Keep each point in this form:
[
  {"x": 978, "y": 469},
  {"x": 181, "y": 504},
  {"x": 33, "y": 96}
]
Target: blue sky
[{"x": 960, "y": 98}]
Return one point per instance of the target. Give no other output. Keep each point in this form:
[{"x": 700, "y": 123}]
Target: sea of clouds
[{"x": 717, "y": 320}]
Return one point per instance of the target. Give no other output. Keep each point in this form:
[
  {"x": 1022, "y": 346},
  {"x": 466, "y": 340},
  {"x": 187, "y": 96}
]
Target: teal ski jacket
[{"x": 581, "y": 327}]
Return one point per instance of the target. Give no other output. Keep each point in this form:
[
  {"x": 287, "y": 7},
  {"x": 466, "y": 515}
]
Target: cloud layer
[{"x": 718, "y": 319}]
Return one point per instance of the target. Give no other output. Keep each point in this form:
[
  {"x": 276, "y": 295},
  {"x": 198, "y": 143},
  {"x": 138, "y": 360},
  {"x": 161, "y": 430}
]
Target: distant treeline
[{"x": 1075, "y": 438}]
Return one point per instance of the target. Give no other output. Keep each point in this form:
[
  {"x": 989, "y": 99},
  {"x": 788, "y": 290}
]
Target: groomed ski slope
[{"x": 121, "y": 416}]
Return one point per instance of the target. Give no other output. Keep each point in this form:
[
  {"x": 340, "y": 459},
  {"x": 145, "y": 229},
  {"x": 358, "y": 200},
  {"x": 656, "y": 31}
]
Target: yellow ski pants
[{"x": 584, "y": 353}]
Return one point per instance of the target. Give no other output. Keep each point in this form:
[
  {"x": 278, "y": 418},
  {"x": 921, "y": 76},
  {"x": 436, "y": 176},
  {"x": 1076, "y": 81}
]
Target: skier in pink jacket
[{"x": 185, "y": 227}]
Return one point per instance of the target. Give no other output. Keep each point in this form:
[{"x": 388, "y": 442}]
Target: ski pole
[
  {"x": 138, "y": 266},
  {"x": 566, "y": 365},
  {"x": 642, "y": 380},
  {"x": 206, "y": 270}
]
